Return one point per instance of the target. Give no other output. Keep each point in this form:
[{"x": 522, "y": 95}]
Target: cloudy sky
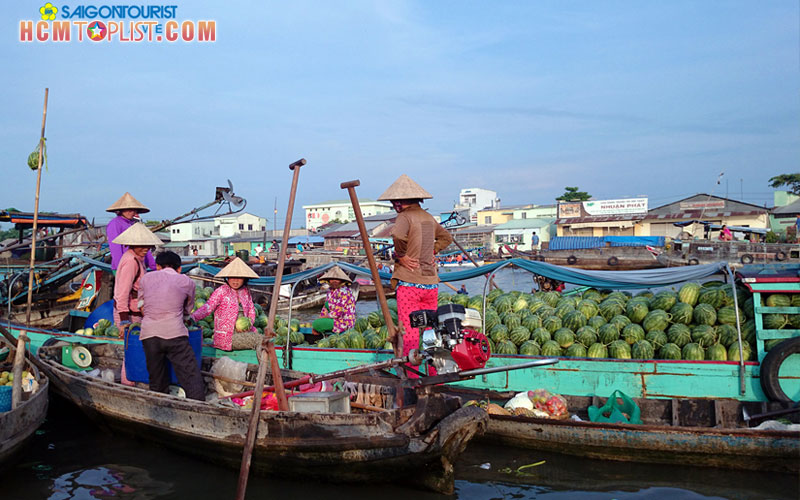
[{"x": 620, "y": 98}]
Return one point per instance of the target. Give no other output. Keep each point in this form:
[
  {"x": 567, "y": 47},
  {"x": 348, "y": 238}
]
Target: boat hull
[{"x": 17, "y": 426}]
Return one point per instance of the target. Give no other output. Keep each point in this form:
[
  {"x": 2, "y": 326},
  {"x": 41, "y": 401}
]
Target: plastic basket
[
  {"x": 5, "y": 398},
  {"x": 136, "y": 365}
]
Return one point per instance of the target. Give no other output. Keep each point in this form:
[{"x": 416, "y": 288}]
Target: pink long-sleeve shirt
[
  {"x": 117, "y": 226},
  {"x": 126, "y": 285},
  {"x": 224, "y": 303},
  {"x": 166, "y": 296}
]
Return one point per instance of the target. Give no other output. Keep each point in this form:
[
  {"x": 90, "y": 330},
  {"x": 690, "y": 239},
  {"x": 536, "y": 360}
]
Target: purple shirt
[
  {"x": 117, "y": 226},
  {"x": 166, "y": 296}
]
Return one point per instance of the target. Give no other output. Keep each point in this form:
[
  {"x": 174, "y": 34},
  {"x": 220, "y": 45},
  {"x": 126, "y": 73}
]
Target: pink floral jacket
[
  {"x": 224, "y": 303},
  {"x": 340, "y": 304}
]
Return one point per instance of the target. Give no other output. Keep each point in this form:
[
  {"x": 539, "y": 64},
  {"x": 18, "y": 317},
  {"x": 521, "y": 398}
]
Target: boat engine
[{"x": 445, "y": 343}]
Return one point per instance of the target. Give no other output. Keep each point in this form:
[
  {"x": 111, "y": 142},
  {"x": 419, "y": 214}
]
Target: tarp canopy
[{"x": 717, "y": 227}]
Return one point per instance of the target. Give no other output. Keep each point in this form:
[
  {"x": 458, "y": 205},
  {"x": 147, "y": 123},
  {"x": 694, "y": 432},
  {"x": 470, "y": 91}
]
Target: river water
[{"x": 70, "y": 457}]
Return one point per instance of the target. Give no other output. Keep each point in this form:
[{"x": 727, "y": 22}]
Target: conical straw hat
[
  {"x": 128, "y": 202},
  {"x": 405, "y": 189},
  {"x": 138, "y": 235},
  {"x": 335, "y": 273},
  {"x": 237, "y": 269}
]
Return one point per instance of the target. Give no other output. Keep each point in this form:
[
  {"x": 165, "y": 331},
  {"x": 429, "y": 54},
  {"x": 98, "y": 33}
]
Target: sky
[{"x": 619, "y": 98}]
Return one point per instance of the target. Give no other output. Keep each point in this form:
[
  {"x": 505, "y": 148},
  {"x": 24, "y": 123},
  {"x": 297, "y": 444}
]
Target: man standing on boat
[
  {"x": 167, "y": 297},
  {"x": 127, "y": 209},
  {"x": 534, "y": 242},
  {"x": 417, "y": 239}
]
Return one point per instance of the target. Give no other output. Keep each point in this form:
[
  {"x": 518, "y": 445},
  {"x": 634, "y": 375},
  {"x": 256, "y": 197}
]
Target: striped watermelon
[
  {"x": 727, "y": 315},
  {"x": 596, "y": 322},
  {"x": 657, "y": 319},
  {"x": 620, "y": 296},
  {"x": 532, "y": 322},
  {"x": 610, "y": 308},
  {"x": 499, "y": 333},
  {"x": 733, "y": 351},
  {"x": 774, "y": 321},
  {"x": 748, "y": 308},
  {"x": 727, "y": 334},
  {"x": 794, "y": 321},
  {"x": 568, "y": 300},
  {"x": 778, "y": 300},
  {"x": 664, "y": 300},
  {"x": 712, "y": 296},
  {"x": 717, "y": 352},
  {"x": 574, "y": 320},
  {"x": 636, "y": 310},
  {"x": 493, "y": 294},
  {"x": 519, "y": 304},
  {"x": 530, "y": 348},
  {"x": 795, "y": 300},
  {"x": 375, "y": 319},
  {"x": 597, "y": 351},
  {"x": 592, "y": 294},
  {"x": 689, "y": 293},
  {"x": 670, "y": 351},
  {"x": 361, "y": 324},
  {"x": 693, "y": 352},
  {"x": 551, "y": 323},
  {"x": 576, "y": 350},
  {"x": 657, "y": 338},
  {"x": 632, "y": 333},
  {"x": 645, "y": 294},
  {"x": 551, "y": 348},
  {"x": 608, "y": 333},
  {"x": 620, "y": 321},
  {"x": 749, "y": 330},
  {"x": 642, "y": 349},
  {"x": 535, "y": 305},
  {"x": 565, "y": 337},
  {"x": 704, "y": 335},
  {"x": 564, "y": 309},
  {"x": 619, "y": 349},
  {"x": 506, "y": 347},
  {"x": 586, "y": 335},
  {"x": 679, "y": 334},
  {"x": 704, "y": 314},
  {"x": 519, "y": 335},
  {"x": 551, "y": 298},
  {"x": 682, "y": 313},
  {"x": 540, "y": 336},
  {"x": 512, "y": 321},
  {"x": 588, "y": 308}
]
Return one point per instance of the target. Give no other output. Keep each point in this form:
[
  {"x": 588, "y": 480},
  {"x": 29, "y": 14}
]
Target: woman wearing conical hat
[
  {"x": 127, "y": 209},
  {"x": 139, "y": 241},
  {"x": 339, "y": 312},
  {"x": 228, "y": 302},
  {"x": 417, "y": 238}
]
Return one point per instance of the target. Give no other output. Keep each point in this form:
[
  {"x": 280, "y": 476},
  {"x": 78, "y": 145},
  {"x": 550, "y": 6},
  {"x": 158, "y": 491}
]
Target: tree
[
  {"x": 791, "y": 181},
  {"x": 572, "y": 194}
]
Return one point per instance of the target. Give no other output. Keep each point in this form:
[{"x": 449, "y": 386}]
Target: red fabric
[{"x": 410, "y": 299}]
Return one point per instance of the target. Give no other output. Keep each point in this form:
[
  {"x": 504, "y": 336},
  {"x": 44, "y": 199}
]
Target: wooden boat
[
  {"x": 697, "y": 432},
  {"x": 19, "y": 424},
  {"x": 736, "y": 253},
  {"x": 412, "y": 444}
]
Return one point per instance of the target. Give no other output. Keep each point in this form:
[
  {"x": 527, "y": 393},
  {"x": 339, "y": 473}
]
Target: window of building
[
  {"x": 249, "y": 227},
  {"x": 524, "y": 215},
  {"x": 241, "y": 227},
  {"x": 487, "y": 219}
]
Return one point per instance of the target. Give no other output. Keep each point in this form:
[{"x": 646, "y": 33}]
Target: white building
[
  {"x": 322, "y": 213},
  {"x": 219, "y": 227},
  {"x": 474, "y": 199}
]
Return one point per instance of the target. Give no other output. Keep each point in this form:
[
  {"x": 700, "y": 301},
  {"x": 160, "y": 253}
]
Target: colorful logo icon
[
  {"x": 48, "y": 12},
  {"x": 96, "y": 30}
]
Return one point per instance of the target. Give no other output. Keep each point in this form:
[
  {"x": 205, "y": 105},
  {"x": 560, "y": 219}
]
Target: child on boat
[{"x": 339, "y": 312}]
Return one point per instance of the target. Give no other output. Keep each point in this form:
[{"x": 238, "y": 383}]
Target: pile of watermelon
[{"x": 369, "y": 332}]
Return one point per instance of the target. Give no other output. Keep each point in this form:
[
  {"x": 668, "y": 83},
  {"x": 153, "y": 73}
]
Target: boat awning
[
  {"x": 25, "y": 220},
  {"x": 716, "y": 227}
]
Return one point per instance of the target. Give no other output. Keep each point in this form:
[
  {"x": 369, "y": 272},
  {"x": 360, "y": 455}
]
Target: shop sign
[
  {"x": 616, "y": 207},
  {"x": 702, "y": 205},
  {"x": 566, "y": 210}
]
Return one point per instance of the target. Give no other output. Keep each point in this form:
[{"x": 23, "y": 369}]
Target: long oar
[
  {"x": 19, "y": 357},
  {"x": 267, "y": 349},
  {"x": 397, "y": 340}
]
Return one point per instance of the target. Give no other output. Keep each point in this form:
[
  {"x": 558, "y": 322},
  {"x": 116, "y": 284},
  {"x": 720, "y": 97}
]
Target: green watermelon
[
  {"x": 664, "y": 300},
  {"x": 769, "y": 344},
  {"x": 361, "y": 324},
  {"x": 551, "y": 323},
  {"x": 657, "y": 319},
  {"x": 727, "y": 334},
  {"x": 693, "y": 352},
  {"x": 588, "y": 308},
  {"x": 644, "y": 294},
  {"x": 261, "y": 321},
  {"x": 657, "y": 338},
  {"x": 642, "y": 349},
  {"x": 519, "y": 335},
  {"x": 749, "y": 311},
  {"x": 113, "y": 331},
  {"x": 704, "y": 314},
  {"x": 596, "y": 322},
  {"x": 608, "y": 333},
  {"x": 689, "y": 293},
  {"x": 610, "y": 308},
  {"x": 532, "y": 322},
  {"x": 298, "y": 338},
  {"x": 506, "y": 347},
  {"x": 355, "y": 340},
  {"x": 619, "y": 296},
  {"x": 682, "y": 313},
  {"x": 727, "y": 315},
  {"x": 530, "y": 348},
  {"x": 551, "y": 298},
  {"x": 778, "y": 300},
  {"x": 636, "y": 310},
  {"x": 704, "y": 335},
  {"x": 717, "y": 352},
  {"x": 749, "y": 330},
  {"x": 586, "y": 335},
  {"x": 546, "y": 311},
  {"x": 679, "y": 334},
  {"x": 567, "y": 300},
  {"x": 733, "y": 351},
  {"x": 375, "y": 319},
  {"x": 576, "y": 350},
  {"x": 540, "y": 336},
  {"x": 198, "y": 303},
  {"x": 619, "y": 349},
  {"x": 499, "y": 333},
  {"x": 597, "y": 350},
  {"x": 493, "y": 294},
  {"x": 519, "y": 304},
  {"x": 535, "y": 305},
  {"x": 592, "y": 294},
  {"x": 574, "y": 320},
  {"x": 632, "y": 333},
  {"x": 340, "y": 342},
  {"x": 775, "y": 321},
  {"x": 794, "y": 321},
  {"x": 712, "y": 296},
  {"x": 795, "y": 300},
  {"x": 670, "y": 351},
  {"x": 243, "y": 324},
  {"x": 564, "y": 309},
  {"x": 551, "y": 348},
  {"x": 565, "y": 337},
  {"x": 620, "y": 321}
]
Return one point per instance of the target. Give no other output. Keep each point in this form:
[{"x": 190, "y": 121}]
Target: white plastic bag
[
  {"x": 521, "y": 400},
  {"x": 228, "y": 368}
]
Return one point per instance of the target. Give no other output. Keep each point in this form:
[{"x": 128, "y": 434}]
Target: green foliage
[
  {"x": 791, "y": 181},
  {"x": 572, "y": 194}
]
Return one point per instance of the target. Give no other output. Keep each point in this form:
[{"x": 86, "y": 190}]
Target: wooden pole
[
  {"x": 397, "y": 340},
  {"x": 19, "y": 356},
  {"x": 267, "y": 350}
]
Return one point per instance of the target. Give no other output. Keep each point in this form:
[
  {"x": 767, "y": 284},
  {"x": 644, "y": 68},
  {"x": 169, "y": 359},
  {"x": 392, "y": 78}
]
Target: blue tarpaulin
[
  {"x": 584, "y": 242},
  {"x": 634, "y": 241}
]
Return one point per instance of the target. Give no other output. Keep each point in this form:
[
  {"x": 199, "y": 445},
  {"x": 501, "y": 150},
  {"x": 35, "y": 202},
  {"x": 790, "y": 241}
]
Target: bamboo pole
[
  {"x": 19, "y": 356},
  {"x": 267, "y": 350}
]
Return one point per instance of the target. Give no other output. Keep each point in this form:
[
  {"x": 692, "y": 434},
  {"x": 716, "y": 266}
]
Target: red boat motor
[{"x": 445, "y": 343}]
